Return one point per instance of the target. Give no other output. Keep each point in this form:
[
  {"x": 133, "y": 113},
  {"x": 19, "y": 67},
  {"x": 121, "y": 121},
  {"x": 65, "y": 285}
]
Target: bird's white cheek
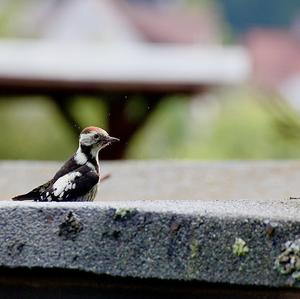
[{"x": 86, "y": 139}]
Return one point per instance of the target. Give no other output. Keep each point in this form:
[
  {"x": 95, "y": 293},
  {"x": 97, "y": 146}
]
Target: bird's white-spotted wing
[{"x": 72, "y": 186}]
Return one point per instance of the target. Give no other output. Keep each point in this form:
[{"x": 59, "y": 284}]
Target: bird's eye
[{"x": 96, "y": 136}]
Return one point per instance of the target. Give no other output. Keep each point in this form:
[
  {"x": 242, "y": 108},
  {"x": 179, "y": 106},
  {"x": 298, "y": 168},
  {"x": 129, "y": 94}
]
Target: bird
[{"x": 77, "y": 179}]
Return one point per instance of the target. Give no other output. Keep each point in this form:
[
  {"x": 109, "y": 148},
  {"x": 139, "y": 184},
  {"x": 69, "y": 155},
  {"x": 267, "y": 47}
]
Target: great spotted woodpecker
[{"x": 78, "y": 178}]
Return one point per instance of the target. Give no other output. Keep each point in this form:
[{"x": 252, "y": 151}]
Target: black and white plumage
[{"x": 78, "y": 178}]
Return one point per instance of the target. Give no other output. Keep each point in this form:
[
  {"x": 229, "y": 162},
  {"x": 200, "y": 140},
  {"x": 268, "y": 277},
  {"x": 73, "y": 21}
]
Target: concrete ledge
[
  {"x": 135, "y": 239},
  {"x": 211, "y": 222},
  {"x": 266, "y": 181}
]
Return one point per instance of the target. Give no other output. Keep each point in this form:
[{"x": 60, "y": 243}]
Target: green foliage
[
  {"x": 200, "y": 2},
  {"x": 33, "y": 129},
  {"x": 9, "y": 12},
  {"x": 163, "y": 133},
  {"x": 234, "y": 125},
  {"x": 89, "y": 111}
]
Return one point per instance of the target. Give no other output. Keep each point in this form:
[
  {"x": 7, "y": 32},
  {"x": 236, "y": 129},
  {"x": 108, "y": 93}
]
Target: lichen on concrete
[
  {"x": 194, "y": 247},
  {"x": 70, "y": 227},
  {"x": 122, "y": 213},
  {"x": 239, "y": 247},
  {"x": 288, "y": 262}
]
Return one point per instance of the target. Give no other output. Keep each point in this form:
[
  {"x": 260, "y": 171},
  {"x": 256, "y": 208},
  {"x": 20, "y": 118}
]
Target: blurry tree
[
  {"x": 237, "y": 124},
  {"x": 9, "y": 10},
  {"x": 242, "y": 15},
  {"x": 33, "y": 129}
]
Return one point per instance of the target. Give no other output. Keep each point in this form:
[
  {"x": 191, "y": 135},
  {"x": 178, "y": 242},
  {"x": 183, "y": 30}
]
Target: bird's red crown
[{"x": 93, "y": 129}]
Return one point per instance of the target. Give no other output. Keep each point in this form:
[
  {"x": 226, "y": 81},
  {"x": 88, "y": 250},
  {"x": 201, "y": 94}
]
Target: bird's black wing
[
  {"x": 34, "y": 194},
  {"x": 71, "y": 186},
  {"x": 68, "y": 166}
]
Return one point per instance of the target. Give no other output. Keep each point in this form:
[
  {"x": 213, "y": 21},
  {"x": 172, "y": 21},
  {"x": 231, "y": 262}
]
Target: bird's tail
[
  {"x": 23, "y": 197},
  {"x": 34, "y": 194}
]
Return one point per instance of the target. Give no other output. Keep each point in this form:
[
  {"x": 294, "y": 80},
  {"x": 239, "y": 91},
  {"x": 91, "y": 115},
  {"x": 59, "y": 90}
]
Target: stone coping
[{"x": 161, "y": 220}]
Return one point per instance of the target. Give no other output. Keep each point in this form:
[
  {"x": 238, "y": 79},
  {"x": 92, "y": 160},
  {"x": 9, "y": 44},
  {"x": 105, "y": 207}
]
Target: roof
[
  {"x": 173, "y": 23},
  {"x": 275, "y": 55},
  {"x": 115, "y": 66},
  {"x": 116, "y": 20}
]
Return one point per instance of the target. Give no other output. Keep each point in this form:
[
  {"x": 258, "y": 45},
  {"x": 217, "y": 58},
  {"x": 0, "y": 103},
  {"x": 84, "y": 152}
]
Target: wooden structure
[{"x": 115, "y": 73}]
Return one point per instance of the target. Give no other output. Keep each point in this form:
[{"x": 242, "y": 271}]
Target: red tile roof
[
  {"x": 275, "y": 55},
  {"x": 173, "y": 24}
]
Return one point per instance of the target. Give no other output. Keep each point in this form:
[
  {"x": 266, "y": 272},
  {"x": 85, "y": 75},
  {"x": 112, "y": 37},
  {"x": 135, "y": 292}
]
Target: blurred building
[
  {"x": 275, "y": 56},
  {"x": 119, "y": 21}
]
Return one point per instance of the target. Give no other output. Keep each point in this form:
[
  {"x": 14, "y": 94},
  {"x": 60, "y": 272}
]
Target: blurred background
[{"x": 173, "y": 79}]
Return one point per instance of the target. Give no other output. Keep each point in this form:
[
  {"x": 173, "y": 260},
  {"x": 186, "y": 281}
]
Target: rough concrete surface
[{"x": 229, "y": 223}]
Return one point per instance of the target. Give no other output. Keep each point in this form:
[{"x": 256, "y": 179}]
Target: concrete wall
[{"x": 247, "y": 242}]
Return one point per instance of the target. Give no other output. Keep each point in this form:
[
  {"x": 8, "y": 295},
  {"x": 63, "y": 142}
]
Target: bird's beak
[
  {"x": 109, "y": 140},
  {"x": 112, "y": 139}
]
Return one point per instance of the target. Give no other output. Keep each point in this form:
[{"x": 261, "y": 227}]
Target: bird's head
[{"x": 95, "y": 138}]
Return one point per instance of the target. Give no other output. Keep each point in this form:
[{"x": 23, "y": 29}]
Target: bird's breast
[{"x": 90, "y": 196}]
